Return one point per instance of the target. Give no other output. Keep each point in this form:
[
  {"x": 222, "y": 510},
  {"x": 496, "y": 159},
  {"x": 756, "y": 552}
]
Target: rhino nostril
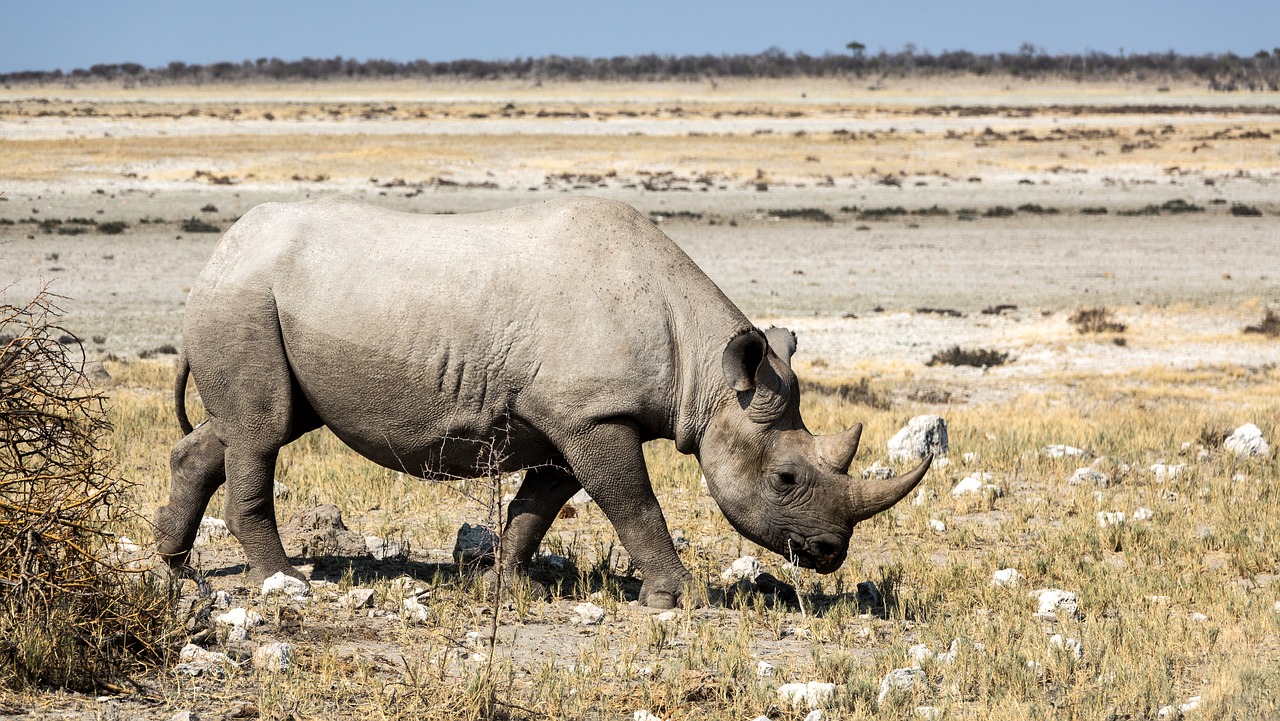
[{"x": 824, "y": 549}]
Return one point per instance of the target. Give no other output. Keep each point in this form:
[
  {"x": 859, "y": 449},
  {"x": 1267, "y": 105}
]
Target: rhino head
[{"x": 778, "y": 484}]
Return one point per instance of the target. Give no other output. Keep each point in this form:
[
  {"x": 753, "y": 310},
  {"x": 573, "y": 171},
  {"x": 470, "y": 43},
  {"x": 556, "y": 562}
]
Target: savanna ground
[{"x": 880, "y": 224}]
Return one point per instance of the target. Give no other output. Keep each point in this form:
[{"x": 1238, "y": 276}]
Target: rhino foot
[{"x": 665, "y": 592}]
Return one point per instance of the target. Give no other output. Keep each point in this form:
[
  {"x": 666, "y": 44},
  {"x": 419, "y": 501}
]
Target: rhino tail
[{"x": 180, "y": 394}]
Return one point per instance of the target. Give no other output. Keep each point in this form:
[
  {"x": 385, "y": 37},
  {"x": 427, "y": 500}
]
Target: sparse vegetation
[
  {"x": 1095, "y": 320},
  {"x": 1241, "y": 210},
  {"x": 1093, "y": 210},
  {"x": 1270, "y": 325},
  {"x": 999, "y": 211},
  {"x": 196, "y": 225},
  {"x": 816, "y": 215},
  {"x": 114, "y": 227},
  {"x": 977, "y": 357}
]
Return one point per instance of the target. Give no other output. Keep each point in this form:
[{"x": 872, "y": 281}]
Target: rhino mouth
[{"x": 824, "y": 553}]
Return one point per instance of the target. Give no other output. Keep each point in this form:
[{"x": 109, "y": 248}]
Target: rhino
[{"x": 565, "y": 333}]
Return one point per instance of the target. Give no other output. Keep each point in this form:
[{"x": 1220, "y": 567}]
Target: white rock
[
  {"x": 977, "y": 483},
  {"x": 949, "y": 656},
  {"x": 1168, "y": 712},
  {"x": 294, "y": 588},
  {"x": 413, "y": 612},
  {"x": 1192, "y": 704},
  {"x": 921, "y": 436},
  {"x": 1006, "y": 577},
  {"x": 1198, "y": 617},
  {"x": 1059, "y": 450},
  {"x": 644, "y": 715},
  {"x": 1036, "y": 667},
  {"x": 815, "y": 715},
  {"x": 1276, "y": 607},
  {"x": 923, "y": 495},
  {"x": 1165, "y": 472},
  {"x": 237, "y": 633},
  {"x": 358, "y": 598},
  {"x": 240, "y": 617},
  {"x": 971, "y": 457},
  {"x": 667, "y": 616},
  {"x": 1109, "y": 518},
  {"x": 764, "y": 669},
  {"x": 382, "y": 549},
  {"x": 919, "y": 654},
  {"x": 1247, "y": 442},
  {"x": 1055, "y": 603},
  {"x": 928, "y": 713},
  {"x": 588, "y": 614},
  {"x": 937, "y": 526},
  {"x": 1239, "y": 478},
  {"x": 221, "y": 600},
  {"x": 1142, "y": 513},
  {"x": 1086, "y": 476},
  {"x": 900, "y": 680},
  {"x": 879, "y": 472},
  {"x": 181, "y": 716},
  {"x": 1066, "y": 645},
  {"x": 279, "y": 490},
  {"x": 582, "y": 497},
  {"x": 192, "y": 653},
  {"x": 1159, "y": 599},
  {"x": 940, "y": 463},
  {"x": 211, "y": 529},
  {"x": 745, "y": 568},
  {"x": 276, "y": 657},
  {"x": 812, "y": 694}
]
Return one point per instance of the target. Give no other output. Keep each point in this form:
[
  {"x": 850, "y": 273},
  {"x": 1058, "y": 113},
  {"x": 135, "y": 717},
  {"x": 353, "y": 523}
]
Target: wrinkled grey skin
[{"x": 563, "y": 334}]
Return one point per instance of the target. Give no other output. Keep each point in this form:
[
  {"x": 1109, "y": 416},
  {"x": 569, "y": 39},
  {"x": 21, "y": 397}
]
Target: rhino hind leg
[
  {"x": 197, "y": 470},
  {"x": 542, "y": 494}
]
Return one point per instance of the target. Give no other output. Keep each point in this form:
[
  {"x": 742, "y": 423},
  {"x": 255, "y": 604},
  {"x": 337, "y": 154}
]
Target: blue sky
[{"x": 66, "y": 34}]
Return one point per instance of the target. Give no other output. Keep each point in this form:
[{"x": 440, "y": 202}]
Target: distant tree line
[{"x": 1219, "y": 71}]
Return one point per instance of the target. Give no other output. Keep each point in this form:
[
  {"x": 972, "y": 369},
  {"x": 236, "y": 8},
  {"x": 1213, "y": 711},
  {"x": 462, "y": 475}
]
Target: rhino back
[{"x": 424, "y": 327}]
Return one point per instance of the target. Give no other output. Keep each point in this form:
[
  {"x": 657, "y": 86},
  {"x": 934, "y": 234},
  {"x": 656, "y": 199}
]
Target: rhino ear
[
  {"x": 742, "y": 357},
  {"x": 782, "y": 342}
]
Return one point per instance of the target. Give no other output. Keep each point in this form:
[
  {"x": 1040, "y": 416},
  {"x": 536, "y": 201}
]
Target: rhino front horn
[
  {"x": 873, "y": 497},
  {"x": 837, "y": 450}
]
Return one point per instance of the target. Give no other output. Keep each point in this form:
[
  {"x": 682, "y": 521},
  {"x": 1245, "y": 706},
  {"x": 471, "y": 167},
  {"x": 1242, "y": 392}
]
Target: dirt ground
[{"x": 879, "y": 224}]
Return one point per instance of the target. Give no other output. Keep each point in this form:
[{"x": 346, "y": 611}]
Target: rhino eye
[{"x": 786, "y": 479}]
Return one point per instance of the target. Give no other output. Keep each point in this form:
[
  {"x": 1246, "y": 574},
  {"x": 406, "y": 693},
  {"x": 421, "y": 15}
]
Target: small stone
[
  {"x": 221, "y": 600},
  {"x": 924, "y": 495},
  {"x": 382, "y": 549},
  {"x": 1276, "y": 607},
  {"x": 211, "y": 529},
  {"x": 1055, "y": 603},
  {"x": 1066, "y": 645},
  {"x": 582, "y": 497},
  {"x": 969, "y": 484},
  {"x": 921, "y": 436},
  {"x": 812, "y": 694},
  {"x": 1165, "y": 472},
  {"x": 1159, "y": 599},
  {"x": 1109, "y": 518},
  {"x": 588, "y": 614},
  {"x": 1006, "y": 577},
  {"x": 920, "y": 654},
  {"x": 1086, "y": 476},
  {"x": 928, "y": 713},
  {"x": 764, "y": 669},
  {"x": 280, "y": 490},
  {"x": 1198, "y": 617},
  {"x": 1192, "y": 704},
  {"x": 937, "y": 526},
  {"x": 276, "y": 657},
  {"x": 878, "y": 472},
  {"x": 240, "y": 617},
  {"x": 1142, "y": 513},
  {"x": 667, "y": 616},
  {"x": 1059, "y": 450},
  {"x": 474, "y": 546},
  {"x": 281, "y": 584},
  {"x": 358, "y": 598},
  {"x": 971, "y": 458},
  {"x": 644, "y": 716},
  {"x": 900, "y": 680},
  {"x": 868, "y": 594},
  {"x": 745, "y": 568},
  {"x": 815, "y": 715},
  {"x": 413, "y": 612},
  {"x": 185, "y": 716},
  {"x": 1247, "y": 442}
]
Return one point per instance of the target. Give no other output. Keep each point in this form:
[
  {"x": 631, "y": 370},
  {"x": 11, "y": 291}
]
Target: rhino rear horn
[
  {"x": 838, "y": 449},
  {"x": 782, "y": 342},
  {"x": 870, "y": 498}
]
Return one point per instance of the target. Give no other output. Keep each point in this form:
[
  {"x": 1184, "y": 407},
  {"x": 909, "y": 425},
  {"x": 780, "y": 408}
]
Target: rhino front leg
[
  {"x": 542, "y": 494},
  {"x": 197, "y": 471},
  {"x": 608, "y": 462}
]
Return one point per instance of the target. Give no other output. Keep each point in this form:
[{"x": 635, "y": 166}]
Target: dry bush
[
  {"x": 1270, "y": 325},
  {"x": 1095, "y": 320},
  {"x": 978, "y": 357},
  {"x": 71, "y": 613}
]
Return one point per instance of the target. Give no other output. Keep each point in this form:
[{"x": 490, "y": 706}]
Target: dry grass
[{"x": 1204, "y": 549}]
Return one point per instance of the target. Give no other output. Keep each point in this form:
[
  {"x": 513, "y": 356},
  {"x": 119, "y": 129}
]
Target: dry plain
[{"x": 880, "y": 224}]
